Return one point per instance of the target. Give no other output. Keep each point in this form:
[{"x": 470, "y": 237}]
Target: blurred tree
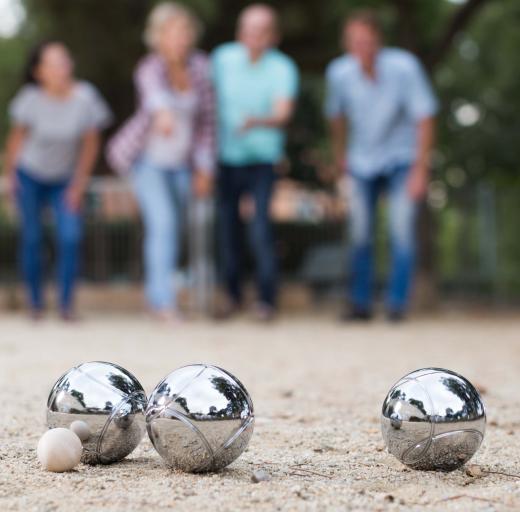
[{"x": 469, "y": 47}]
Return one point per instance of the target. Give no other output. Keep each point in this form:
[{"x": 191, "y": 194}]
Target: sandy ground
[{"x": 317, "y": 388}]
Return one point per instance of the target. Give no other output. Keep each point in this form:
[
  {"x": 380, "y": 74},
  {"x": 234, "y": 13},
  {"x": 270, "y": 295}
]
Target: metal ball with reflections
[
  {"x": 108, "y": 403},
  {"x": 200, "y": 418},
  {"x": 433, "y": 419}
]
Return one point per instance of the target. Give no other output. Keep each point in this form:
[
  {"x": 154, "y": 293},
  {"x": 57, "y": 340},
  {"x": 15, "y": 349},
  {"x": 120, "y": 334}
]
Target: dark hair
[
  {"x": 368, "y": 17},
  {"x": 34, "y": 59}
]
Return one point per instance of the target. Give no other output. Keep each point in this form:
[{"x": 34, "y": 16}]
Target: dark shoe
[
  {"x": 36, "y": 314},
  {"x": 226, "y": 310},
  {"x": 264, "y": 313},
  {"x": 396, "y": 316},
  {"x": 69, "y": 317},
  {"x": 355, "y": 314}
]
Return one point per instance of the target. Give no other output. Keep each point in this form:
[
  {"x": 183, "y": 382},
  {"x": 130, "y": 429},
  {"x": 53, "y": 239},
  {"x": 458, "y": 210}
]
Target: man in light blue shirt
[
  {"x": 381, "y": 110},
  {"x": 255, "y": 86}
]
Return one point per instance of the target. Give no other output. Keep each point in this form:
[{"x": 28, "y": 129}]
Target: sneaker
[
  {"x": 168, "y": 316},
  {"x": 36, "y": 314},
  {"x": 68, "y": 316},
  {"x": 264, "y": 313},
  {"x": 396, "y": 316},
  {"x": 355, "y": 314},
  {"x": 226, "y": 310}
]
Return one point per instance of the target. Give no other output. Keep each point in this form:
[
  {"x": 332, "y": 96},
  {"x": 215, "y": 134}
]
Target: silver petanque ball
[
  {"x": 433, "y": 420},
  {"x": 200, "y": 418},
  {"x": 104, "y": 404}
]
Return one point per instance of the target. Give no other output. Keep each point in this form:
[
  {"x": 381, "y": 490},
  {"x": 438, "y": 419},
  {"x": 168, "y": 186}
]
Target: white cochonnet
[
  {"x": 80, "y": 428},
  {"x": 59, "y": 449}
]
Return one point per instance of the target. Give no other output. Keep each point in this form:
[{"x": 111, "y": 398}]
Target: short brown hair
[{"x": 368, "y": 17}]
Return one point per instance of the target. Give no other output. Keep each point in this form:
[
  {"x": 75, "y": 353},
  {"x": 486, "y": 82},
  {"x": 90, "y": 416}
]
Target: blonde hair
[{"x": 162, "y": 14}]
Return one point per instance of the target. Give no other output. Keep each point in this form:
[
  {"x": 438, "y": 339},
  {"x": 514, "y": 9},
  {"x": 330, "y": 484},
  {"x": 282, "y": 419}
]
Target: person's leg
[
  {"x": 68, "y": 235},
  {"x": 230, "y": 227},
  {"x": 402, "y": 215},
  {"x": 362, "y": 209},
  {"x": 180, "y": 183},
  {"x": 30, "y": 201},
  {"x": 262, "y": 178},
  {"x": 156, "y": 203}
]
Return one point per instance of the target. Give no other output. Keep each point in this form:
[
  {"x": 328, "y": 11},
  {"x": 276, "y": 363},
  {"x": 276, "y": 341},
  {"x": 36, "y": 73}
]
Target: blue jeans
[
  {"x": 402, "y": 210},
  {"x": 233, "y": 183},
  {"x": 32, "y": 196},
  {"x": 162, "y": 195}
]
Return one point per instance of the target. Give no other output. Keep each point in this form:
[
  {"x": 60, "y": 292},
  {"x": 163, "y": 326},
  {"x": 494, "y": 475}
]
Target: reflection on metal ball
[
  {"x": 200, "y": 418},
  {"x": 433, "y": 419},
  {"x": 109, "y": 403}
]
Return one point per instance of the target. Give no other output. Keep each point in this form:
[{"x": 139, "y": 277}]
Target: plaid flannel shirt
[{"x": 151, "y": 79}]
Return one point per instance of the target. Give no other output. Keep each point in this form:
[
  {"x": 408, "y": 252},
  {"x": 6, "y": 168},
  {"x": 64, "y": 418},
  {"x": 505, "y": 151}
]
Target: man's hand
[
  {"x": 420, "y": 171},
  {"x": 338, "y": 134},
  {"x": 202, "y": 184},
  {"x": 11, "y": 184},
  {"x": 248, "y": 124},
  {"x": 340, "y": 167},
  {"x": 280, "y": 116},
  {"x": 418, "y": 181},
  {"x": 163, "y": 123},
  {"x": 74, "y": 196}
]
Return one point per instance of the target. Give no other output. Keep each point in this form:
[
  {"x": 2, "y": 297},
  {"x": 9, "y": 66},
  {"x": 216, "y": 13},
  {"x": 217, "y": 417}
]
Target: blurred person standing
[
  {"x": 168, "y": 146},
  {"x": 256, "y": 86},
  {"x": 51, "y": 150},
  {"x": 381, "y": 110}
]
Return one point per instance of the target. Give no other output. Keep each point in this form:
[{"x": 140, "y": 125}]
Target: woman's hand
[
  {"x": 15, "y": 141},
  {"x": 163, "y": 122},
  {"x": 202, "y": 184},
  {"x": 74, "y": 196}
]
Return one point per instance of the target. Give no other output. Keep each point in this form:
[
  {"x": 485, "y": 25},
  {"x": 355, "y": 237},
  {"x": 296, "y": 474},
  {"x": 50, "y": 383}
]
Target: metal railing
[{"x": 477, "y": 243}]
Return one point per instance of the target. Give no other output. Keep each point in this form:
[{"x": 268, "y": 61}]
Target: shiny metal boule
[
  {"x": 433, "y": 419},
  {"x": 107, "y": 403},
  {"x": 200, "y": 418}
]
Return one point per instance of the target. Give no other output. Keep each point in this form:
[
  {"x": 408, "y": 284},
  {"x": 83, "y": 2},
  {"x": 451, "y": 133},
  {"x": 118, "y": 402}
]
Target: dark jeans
[
  {"x": 233, "y": 183},
  {"x": 32, "y": 196}
]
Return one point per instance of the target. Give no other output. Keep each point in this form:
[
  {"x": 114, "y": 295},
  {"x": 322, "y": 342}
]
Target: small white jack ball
[
  {"x": 80, "y": 428},
  {"x": 59, "y": 449}
]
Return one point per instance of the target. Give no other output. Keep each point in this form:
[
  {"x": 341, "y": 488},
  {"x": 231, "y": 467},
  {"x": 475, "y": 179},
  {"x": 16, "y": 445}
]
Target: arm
[
  {"x": 282, "y": 112},
  {"x": 14, "y": 144},
  {"x": 286, "y": 78},
  {"x": 422, "y": 106},
  {"x": 151, "y": 83},
  {"x": 420, "y": 171},
  {"x": 89, "y": 151},
  {"x": 205, "y": 135},
  {"x": 338, "y": 135}
]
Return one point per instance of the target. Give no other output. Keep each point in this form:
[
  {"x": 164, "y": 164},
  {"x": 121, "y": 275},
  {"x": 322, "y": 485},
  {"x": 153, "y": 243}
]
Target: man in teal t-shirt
[{"x": 256, "y": 86}]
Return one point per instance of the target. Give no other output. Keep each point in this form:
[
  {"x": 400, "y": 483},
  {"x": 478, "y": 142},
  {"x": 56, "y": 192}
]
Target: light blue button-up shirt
[
  {"x": 382, "y": 113},
  {"x": 250, "y": 89}
]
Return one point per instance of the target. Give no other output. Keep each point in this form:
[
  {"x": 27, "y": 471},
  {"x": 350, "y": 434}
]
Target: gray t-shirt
[{"x": 56, "y": 127}]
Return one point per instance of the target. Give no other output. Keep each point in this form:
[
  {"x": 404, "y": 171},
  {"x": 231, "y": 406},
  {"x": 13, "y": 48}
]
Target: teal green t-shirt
[{"x": 250, "y": 89}]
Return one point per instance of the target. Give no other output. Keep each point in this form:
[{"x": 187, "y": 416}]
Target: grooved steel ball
[
  {"x": 433, "y": 419},
  {"x": 104, "y": 404},
  {"x": 200, "y": 418}
]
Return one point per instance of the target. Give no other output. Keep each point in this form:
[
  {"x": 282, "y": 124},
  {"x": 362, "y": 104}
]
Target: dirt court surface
[{"x": 317, "y": 388}]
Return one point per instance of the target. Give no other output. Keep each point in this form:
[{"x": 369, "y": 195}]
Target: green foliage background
[
  {"x": 480, "y": 65},
  {"x": 470, "y": 49}
]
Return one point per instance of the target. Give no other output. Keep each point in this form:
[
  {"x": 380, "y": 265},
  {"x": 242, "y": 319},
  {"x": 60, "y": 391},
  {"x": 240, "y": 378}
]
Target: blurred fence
[{"x": 477, "y": 244}]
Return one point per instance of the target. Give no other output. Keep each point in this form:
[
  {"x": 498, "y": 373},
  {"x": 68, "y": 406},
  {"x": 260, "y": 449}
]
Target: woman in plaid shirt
[{"x": 168, "y": 146}]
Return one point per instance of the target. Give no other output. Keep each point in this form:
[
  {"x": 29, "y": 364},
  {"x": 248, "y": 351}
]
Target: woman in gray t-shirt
[{"x": 51, "y": 151}]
